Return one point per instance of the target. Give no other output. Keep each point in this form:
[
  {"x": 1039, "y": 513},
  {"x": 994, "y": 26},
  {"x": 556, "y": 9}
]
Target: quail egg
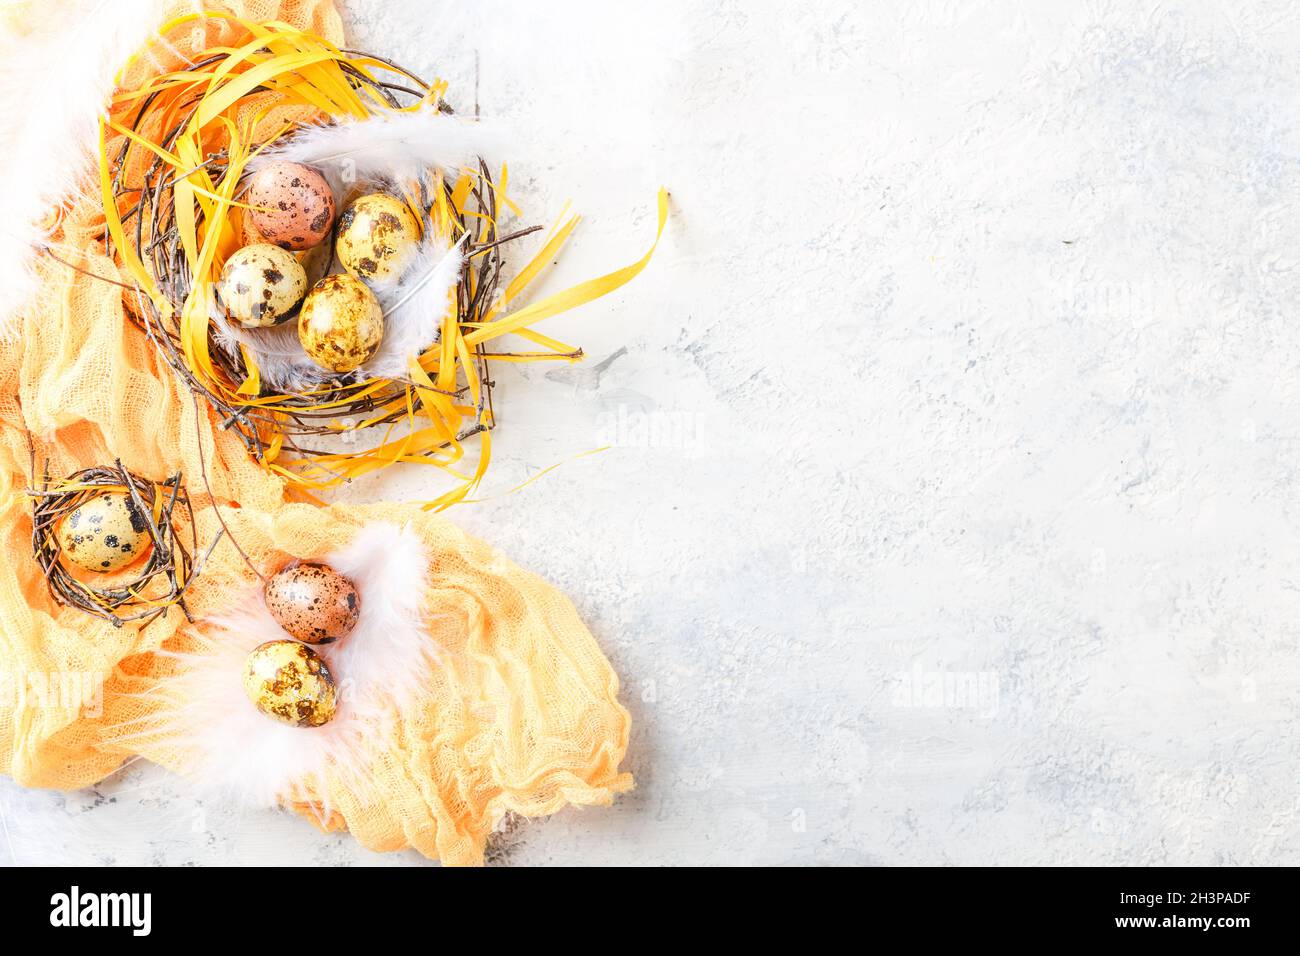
[
  {"x": 313, "y": 602},
  {"x": 261, "y": 285},
  {"x": 292, "y": 205},
  {"x": 106, "y": 533},
  {"x": 377, "y": 237},
  {"x": 340, "y": 324},
  {"x": 289, "y": 682}
]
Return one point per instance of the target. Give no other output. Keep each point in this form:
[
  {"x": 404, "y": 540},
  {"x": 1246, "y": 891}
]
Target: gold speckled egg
[
  {"x": 341, "y": 324},
  {"x": 377, "y": 237},
  {"x": 293, "y": 206},
  {"x": 106, "y": 533},
  {"x": 290, "y": 683},
  {"x": 313, "y": 602},
  {"x": 261, "y": 285}
]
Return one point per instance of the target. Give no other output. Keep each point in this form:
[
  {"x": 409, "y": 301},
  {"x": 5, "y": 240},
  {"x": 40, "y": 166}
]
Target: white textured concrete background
[{"x": 953, "y": 508}]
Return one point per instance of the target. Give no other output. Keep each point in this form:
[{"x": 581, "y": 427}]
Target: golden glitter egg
[
  {"x": 106, "y": 533},
  {"x": 290, "y": 683},
  {"x": 292, "y": 205},
  {"x": 341, "y": 324},
  {"x": 313, "y": 602},
  {"x": 377, "y": 237},
  {"x": 261, "y": 285}
]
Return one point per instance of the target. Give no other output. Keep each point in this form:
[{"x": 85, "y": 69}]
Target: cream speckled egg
[
  {"x": 377, "y": 237},
  {"x": 341, "y": 323},
  {"x": 261, "y": 285},
  {"x": 293, "y": 206},
  {"x": 106, "y": 533},
  {"x": 313, "y": 602},
  {"x": 290, "y": 683}
]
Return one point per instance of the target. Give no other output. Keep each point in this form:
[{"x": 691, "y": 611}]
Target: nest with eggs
[
  {"x": 177, "y": 157},
  {"x": 91, "y": 531}
]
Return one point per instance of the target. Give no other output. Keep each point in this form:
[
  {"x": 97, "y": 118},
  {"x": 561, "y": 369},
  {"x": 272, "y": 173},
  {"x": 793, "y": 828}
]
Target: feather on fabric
[
  {"x": 72, "y": 50},
  {"x": 242, "y": 756}
]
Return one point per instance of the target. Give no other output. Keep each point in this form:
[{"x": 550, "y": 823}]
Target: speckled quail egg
[
  {"x": 106, "y": 533},
  {"x": 377, "y": 237},
  {"x": 261, "y": 285},
  {"x": 340, "y": 324},
  {"x": 290, "y": 683},
  {"x": 292, "y": 205},
  {"x": 313, "y": 602}
]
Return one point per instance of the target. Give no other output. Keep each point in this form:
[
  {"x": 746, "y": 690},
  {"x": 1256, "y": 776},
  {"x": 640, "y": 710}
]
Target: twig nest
[
  {"x": 341, "y": 323},
  {"x": 261, "y": 285},
  {"x": 105, "y": 519},
  {"x": 290, "y": 683},
  {"x": 313, "y": 602},
  {"x": 292, "y": 205},
  {"x": 106, "y": 533},
  {"x": 377, "y": 237}
]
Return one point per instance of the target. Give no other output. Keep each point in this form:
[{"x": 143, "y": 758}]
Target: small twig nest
[{"x": 156, "y": 584}]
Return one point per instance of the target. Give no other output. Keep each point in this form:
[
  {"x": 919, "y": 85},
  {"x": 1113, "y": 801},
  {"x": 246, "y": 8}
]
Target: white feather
[
  {"x": 234, "y": 752},
  {"x": 281, "y": 362},
  {"x": 415, "y": 306},
  {"x": 56, "y": 77},
  {"x": 394, "y": 147}
]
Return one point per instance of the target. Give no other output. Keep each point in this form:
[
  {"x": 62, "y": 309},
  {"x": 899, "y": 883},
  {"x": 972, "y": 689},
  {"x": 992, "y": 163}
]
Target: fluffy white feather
[
  {"x": 56, "y": 76},
  {"x": 281, "y": 362},
  {"x": 395, "y": 147},
  {"x": 414, "y": 307},
  {"x": 236, "y": 753}
]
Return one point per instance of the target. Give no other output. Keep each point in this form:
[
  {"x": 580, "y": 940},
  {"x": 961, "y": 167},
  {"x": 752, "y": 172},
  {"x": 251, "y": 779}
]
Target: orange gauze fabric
[
  {"x": 524, "y": 717},
  {"x": 89, "y": 388},
  {"x": 520, "y": 713}
]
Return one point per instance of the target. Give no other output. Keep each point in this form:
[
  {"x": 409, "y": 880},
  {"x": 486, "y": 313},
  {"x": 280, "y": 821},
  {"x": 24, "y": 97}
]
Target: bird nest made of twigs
[
  {"x": 158, "y": 511},
  {"x": 175, "y": 156}
]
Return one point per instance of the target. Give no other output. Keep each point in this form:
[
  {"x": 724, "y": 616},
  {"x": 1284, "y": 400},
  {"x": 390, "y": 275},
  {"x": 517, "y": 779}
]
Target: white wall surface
[{"x": 969, "y": 359}]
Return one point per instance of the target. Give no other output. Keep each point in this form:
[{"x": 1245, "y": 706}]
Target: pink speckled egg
[
  {"x": 313, "y": 602},
  {"x": 292, "y": 205}
]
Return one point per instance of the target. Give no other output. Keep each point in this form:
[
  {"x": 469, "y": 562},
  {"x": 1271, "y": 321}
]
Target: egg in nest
[
  {"x": 378, "y": 235},
  {"x": 290, "y": 683},
  {"x": 313, "y": 602},
  {"x": 106, "y": 533},
  {"x": 261, "y": 285},
  {"x": 341, "y": 324},
  {"x": 292, "y": 205}
]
